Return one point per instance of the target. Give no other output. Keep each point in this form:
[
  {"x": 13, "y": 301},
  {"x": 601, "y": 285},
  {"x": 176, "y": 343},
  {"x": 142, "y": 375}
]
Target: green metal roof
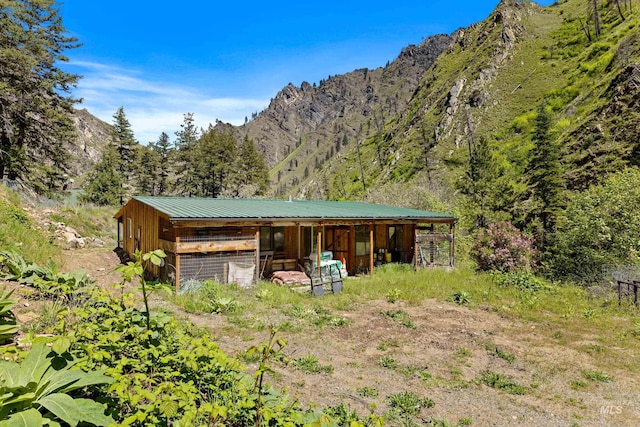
[{"x": 192, "y": 208}]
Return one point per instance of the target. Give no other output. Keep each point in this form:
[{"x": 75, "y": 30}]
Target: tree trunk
[{"x": 596, "y": 17}]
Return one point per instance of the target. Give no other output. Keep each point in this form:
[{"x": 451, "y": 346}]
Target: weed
[
  {"x": 367, "y": 391},
  {"x": 402, "y": 317},
  {"x": 500, "y": 381},
  {"x": 393, "y": 295},
  {"x": 409, "y": 404},
  {"x": 421, "y": 372},
  {"x": 309, "y": 365},
  {"x": 597, "y": 376},
  {"x": 388, "y": 362},
  {"x": 460, "y": 297},
  {"x": 577, "y": 384},
  {"x": 462, "y": 353},
  {"x": 503, "y": 355}
]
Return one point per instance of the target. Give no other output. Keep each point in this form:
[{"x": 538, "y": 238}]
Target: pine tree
[
  {"x": 250, "y": 176},
  {"x": 146, "y": 170},
  {"x": 479, "y": 179},
  {"x": 216, "y": 156},
  {"x": 105, "y": 184},
  {"x": 164, "y": 155},
  {"x": 185, "y": 157},
  {"x": 35, "y": 112},
  {"x": 544, "y": 178},
  {"x": 125, "y": 142}
]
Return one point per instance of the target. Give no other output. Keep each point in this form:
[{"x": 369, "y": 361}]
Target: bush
[
  {"x": 522, "y": 280},
  {"x": 600, "y": 228},
  {"x": 502, "y": 247}
]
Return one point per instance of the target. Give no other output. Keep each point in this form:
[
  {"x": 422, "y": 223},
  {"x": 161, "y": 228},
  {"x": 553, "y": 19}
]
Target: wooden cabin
[{"x": 209, "y": 238}]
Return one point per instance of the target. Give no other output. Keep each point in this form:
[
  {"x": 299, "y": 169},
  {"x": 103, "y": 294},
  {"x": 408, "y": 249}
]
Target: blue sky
[{"x": 225, "y": 60}]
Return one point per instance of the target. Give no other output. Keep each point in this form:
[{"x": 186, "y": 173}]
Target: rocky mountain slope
[
  {"x": 415, "y": 119},
  {"x": 490, "y": 82},
  {"x": 92, "y": 134},
  {"x": 306, "y": 126}
]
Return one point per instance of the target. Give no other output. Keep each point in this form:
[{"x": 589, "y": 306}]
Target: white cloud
[{"x": 153, "y": 107}]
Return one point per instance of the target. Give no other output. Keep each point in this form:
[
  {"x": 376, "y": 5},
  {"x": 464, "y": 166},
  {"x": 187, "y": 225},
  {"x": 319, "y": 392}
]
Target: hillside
[
  {"x": 92, "y": 134},
  {"x": 306, "y": 126},
  {"x": 413, "y": 122}
]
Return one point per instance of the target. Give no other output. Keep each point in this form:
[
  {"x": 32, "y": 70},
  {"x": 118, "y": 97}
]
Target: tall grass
[{"x": 19, "y": 234}]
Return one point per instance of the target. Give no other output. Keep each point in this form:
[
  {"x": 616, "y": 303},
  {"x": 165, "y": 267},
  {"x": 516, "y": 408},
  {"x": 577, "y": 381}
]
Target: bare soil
[{"x": 441, "y": 359}]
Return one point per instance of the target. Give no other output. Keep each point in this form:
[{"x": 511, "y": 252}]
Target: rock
[{"x": 68, "y": 229}]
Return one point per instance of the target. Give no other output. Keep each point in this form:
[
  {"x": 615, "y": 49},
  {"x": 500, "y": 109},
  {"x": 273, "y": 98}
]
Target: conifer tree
[
  {"x": 146, "y": 170},
  {"x": 479, "y": 179},
  {"x": 105, "y": 184},
  {"x": 125, "y": 143},
  {"x": 35, "y": 110},
  {"x": 216, "y": 156},
  {"x": 185, "y": 157},
  {"x": 163, "y": 151},
  {"x": 250, "y": 176},
  {"x": 544, "y": 178}
]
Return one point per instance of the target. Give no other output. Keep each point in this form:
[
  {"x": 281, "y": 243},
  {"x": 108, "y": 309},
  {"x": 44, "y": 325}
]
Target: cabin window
[
  {"x": 363, "y": 242},
  {"x": 272, "y": 239},
  {"x": 129, "y": 228}
]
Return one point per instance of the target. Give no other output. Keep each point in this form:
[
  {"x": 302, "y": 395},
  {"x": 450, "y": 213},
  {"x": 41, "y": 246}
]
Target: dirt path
[{"x": 441, "y": 358}]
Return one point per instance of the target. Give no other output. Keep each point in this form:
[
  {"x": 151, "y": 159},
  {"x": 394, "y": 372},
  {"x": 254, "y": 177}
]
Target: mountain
[
  {"x": 304, "y": 127},
  {"x": 415, "y": 120},
  {"x": 92, "y": 134}
]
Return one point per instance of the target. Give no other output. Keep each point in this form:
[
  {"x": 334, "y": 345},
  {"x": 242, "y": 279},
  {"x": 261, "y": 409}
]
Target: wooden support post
[
  {"x": 451, "y": 243},
  {"x": 371, "y": 249},
  {"x": 416, "y": 248},
  {"x": 319, "y": 250},
  {"x": 177, "y": 266},
  {"x": 299, "y": 258},
  {"x": 257, "y": 272},
  {"x": 432, "y": 247}
]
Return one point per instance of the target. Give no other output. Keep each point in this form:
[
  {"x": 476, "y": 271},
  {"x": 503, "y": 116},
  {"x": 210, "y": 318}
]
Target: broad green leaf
[
  {"x": 87, "y": 379},
  {"x": 28, "y": 418},
  {"x": 72, "y": 411},
  {"x": 34, "y": 365},
  {"x": 10, "y": 371},
  {"x": 8, "y": 329},
  {"x": 55, "y": 380},
  {"x": 61, "y": 344}
]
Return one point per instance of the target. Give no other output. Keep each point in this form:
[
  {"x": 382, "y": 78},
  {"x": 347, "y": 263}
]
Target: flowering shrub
[{"x": 504, "y": 248}]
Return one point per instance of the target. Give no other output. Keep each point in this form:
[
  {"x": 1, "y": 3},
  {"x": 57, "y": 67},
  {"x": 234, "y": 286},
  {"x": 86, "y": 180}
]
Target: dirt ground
[{"x": 441, "y": 359}]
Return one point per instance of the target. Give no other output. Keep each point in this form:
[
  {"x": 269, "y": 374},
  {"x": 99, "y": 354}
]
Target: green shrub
[
  {"x": 600, "y": 228},
  {"x": 46, "y": 279},
  {"x": 521, "y": 280},
  {"x": 8, "y": 324},
  {"x": 37, "y": 391},
  {"x": 502, "y": 247}
]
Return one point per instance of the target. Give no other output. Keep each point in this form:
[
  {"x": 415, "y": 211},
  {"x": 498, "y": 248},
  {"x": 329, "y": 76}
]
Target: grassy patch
[
  {"x": 19, "y": 234},
  {"x": 309, "y": 365},
  {"x": 500, "y": 382}
]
